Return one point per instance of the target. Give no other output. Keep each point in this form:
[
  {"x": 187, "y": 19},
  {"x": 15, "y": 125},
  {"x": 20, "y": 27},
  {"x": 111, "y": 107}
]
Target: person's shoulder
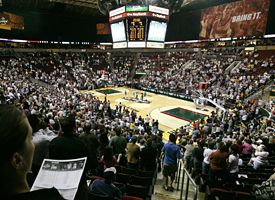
[
  {"x": 56, "y": 140},
  {"x": 97, "y": 182}
]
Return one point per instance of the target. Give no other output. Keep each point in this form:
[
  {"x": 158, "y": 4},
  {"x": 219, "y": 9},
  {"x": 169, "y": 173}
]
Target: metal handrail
[{"x": 189, "y": 179}]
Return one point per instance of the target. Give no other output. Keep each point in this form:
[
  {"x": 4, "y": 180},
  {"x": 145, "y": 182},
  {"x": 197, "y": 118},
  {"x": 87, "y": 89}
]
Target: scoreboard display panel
[
  {"x": 157, "y": 31},
  {"x": 118, "y": 31},
  {"x": 139, "y": 26},
  {"x": 136, "y": 28}
]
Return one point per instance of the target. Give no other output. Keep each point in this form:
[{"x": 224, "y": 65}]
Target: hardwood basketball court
[{"x": 167, "y": 110}]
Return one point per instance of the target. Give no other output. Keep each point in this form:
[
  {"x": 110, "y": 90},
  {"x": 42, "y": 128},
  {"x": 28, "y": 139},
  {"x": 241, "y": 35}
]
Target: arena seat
[
  {"x": 139, "y": 191},
  {"x": 94, "y": 196}
]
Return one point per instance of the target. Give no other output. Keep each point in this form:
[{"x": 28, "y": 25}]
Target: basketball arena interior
[{"x": 137, "y": 99}]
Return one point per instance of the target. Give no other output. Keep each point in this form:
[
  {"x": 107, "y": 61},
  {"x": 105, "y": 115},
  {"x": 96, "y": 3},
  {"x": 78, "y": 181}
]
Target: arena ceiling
[{"x": 101, "y": 7}]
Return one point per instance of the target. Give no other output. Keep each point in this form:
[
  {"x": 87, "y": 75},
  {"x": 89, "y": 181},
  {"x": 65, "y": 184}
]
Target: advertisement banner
[
  {"x": 237, "y": 19},
  {"x": 5, "y": 22},
  {"x": 136, "y": 8}
]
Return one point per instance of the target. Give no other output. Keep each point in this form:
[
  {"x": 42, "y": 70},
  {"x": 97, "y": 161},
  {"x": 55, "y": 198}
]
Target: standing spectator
[
  {"x": 206, "y": 161},
  {"x": 133, "y": 152},
  {"x": 233, "y": 160},
  {"x": 218, "y": 162},
  {"x": 69, "y": 146},
  {"x": 188, "y": 154},
  {"x": 92, "y": 144},
  {"x": 247, "y": 148},
  {"x": 148, "y": 156},
  {"x": 108, "y": 159},
  {"x": 41, "y": 141},
  {"x": 171, "y": 153},
  {"x": 118, "y": 143}
]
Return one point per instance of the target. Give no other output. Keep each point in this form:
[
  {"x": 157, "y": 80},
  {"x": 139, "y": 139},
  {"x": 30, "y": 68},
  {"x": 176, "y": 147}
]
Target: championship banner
[
  {"x": 237, "y": 19},
  {"x": 103, "y": 29}
]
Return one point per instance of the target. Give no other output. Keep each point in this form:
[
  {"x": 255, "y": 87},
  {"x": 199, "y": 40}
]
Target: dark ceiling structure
[{"x": 101, "y": 7}]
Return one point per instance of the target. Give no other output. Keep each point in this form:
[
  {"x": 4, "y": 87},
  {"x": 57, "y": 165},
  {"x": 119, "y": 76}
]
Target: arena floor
[{"x": 170, "y": 112}]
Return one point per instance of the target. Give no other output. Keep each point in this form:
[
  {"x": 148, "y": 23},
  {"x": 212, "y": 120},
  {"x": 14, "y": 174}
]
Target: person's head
[
  {"x": 17, "y": 149},
  {"x": 109, "y": 175},
  {"x": 134, "y": 139},
  {"x": 118, "y": 131},
  {"x": 108, "y": 153},
  {"x": 172, "y": 138},
  {"x": 234, "y": 149},
  {"x": 68, "y": 125},
  {"x": 149, "y": 142},
  {"x": 211, "y": 145},
  {"x": 34, "y": 122},
  {"x": 222, "y": 147}
]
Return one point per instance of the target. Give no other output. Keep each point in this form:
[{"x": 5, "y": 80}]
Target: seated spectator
[
  {"x": 260, "y": 158},
  {"x": 106, "y": 186},
  {"x": 17, "y": 151}
]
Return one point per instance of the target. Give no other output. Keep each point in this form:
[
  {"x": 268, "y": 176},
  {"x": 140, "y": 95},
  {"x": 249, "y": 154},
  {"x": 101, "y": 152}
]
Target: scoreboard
[
  {"x": 139, "y": 26},
  {"x": 136, "y": 28}
]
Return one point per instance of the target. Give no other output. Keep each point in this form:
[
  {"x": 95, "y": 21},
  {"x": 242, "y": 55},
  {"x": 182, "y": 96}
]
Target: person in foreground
[
  {"x": 171, "y": 153},
  {"x": 16, "y": 156}
]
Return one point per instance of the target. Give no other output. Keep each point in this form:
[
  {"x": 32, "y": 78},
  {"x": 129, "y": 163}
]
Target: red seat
[{"x": 127, "y": 197}]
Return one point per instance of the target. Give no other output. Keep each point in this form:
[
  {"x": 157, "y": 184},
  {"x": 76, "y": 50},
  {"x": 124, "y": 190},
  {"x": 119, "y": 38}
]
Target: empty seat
[
  {"x": 143, "y": 181},
  {"x": 126, "y": 170},
  {"x": 122, "y": 178}
]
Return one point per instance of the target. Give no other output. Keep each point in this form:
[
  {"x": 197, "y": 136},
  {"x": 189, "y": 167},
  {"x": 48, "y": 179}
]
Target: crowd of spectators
[{"x": 62, "y": 117}]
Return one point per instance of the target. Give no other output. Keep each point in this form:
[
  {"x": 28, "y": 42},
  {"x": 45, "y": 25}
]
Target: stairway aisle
[{"x": 161, "y": 194}]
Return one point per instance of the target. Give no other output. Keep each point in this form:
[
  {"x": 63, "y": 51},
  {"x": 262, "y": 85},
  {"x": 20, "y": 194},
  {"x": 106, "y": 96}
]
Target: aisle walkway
[{"x": 161, "y": 194}]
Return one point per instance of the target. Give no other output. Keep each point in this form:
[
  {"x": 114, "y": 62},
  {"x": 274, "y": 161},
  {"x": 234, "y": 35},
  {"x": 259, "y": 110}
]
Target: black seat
[
  {"x": 143, "y": 181},
  {"x": 139, "y": 191},
  {"x": 122, "y": 178}
]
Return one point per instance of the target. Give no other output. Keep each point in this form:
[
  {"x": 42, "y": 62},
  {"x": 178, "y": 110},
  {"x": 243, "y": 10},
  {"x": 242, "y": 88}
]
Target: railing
[
  {"x": 185, "y": 173},
  {"x": 41, "y": 83},
  {"x": 259, "y": 92},
  {"x": 230, "y": 67}
]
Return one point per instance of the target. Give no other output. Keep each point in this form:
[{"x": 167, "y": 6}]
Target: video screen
[
  {"x": 237, "y": 19},
  {"x": 157, "y": 31},
  {"x": 118, "y": 31}
]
